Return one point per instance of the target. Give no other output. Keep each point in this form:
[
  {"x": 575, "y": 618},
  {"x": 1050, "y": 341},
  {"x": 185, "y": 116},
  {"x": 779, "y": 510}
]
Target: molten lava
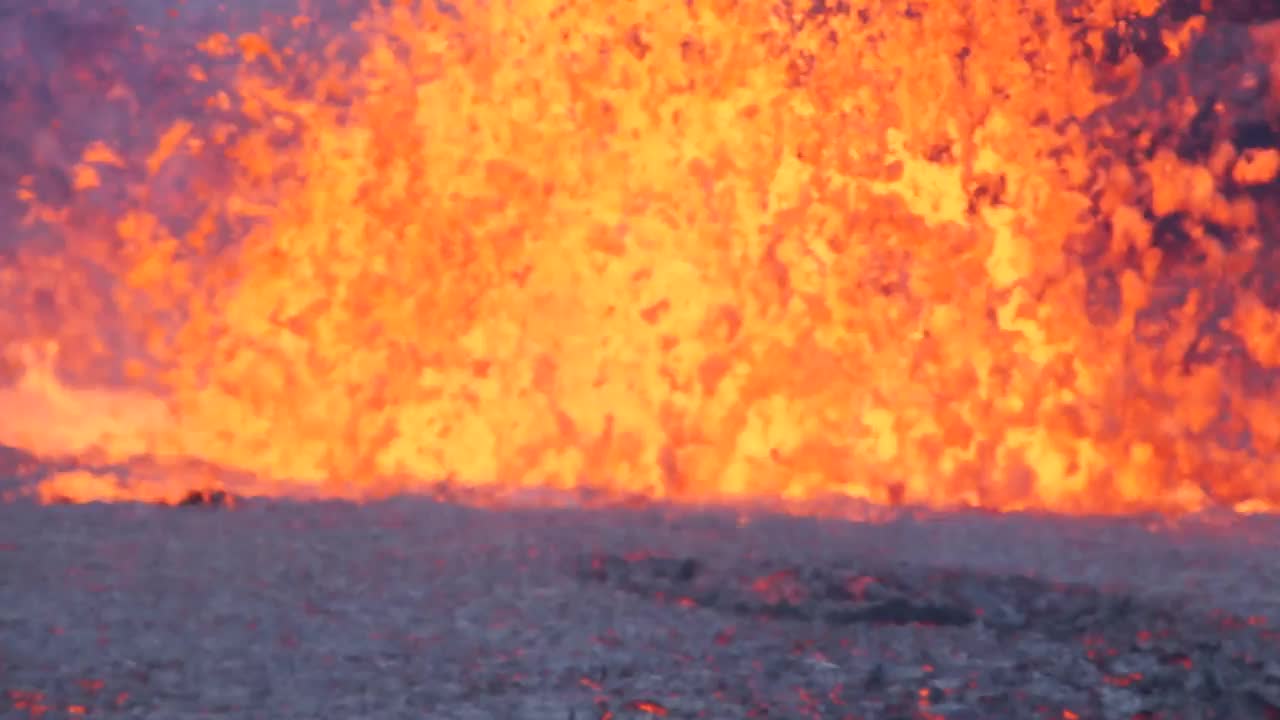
[{"x": 939, "y": 253}]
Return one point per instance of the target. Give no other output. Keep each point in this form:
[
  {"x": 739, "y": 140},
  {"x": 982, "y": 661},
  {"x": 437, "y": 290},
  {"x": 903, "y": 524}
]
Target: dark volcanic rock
[
  {"x": 409, "y": 608},
  {"x": 207, "y": 498},
  {"x": 807, "y": 593}
]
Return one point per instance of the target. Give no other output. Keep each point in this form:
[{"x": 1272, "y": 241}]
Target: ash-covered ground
[{"x": 412, "y": 608}]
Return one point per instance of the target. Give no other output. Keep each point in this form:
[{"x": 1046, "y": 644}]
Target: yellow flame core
[{"x": 693, "y": 251}]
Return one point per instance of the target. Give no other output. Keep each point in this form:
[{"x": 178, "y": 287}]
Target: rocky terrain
[{"x": 413, "y": 608}]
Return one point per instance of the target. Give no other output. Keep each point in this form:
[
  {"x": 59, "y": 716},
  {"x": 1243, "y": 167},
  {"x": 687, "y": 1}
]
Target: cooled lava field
[{"x": 411, "y": 608}]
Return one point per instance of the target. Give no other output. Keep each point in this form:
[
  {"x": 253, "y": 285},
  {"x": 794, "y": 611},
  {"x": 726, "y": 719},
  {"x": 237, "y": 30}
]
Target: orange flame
[{"x": 698, "y": 251}]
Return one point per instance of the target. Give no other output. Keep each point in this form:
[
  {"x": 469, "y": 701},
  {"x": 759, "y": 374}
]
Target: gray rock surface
[{"x": 412, "y": 608}]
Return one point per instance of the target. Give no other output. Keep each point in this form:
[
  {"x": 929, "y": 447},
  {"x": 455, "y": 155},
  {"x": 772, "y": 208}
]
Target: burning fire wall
[{"x": 962, "y": 253}]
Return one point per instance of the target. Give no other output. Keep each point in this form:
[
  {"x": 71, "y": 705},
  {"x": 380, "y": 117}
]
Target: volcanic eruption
[{"x": 1011, "y": 256}]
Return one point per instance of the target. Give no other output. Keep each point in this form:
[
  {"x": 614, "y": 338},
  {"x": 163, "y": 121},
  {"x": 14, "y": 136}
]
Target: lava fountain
[{"x": 962, "y": 253}]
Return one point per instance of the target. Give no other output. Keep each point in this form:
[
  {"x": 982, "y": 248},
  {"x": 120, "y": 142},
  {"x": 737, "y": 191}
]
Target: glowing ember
[{"x": 905, "y": 252}]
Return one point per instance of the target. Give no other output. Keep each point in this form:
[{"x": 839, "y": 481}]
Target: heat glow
[{"x": 691, "y": 251}]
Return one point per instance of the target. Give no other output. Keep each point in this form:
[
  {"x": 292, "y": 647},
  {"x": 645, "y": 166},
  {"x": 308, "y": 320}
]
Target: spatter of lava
[{"x": 931, "y": 253}]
